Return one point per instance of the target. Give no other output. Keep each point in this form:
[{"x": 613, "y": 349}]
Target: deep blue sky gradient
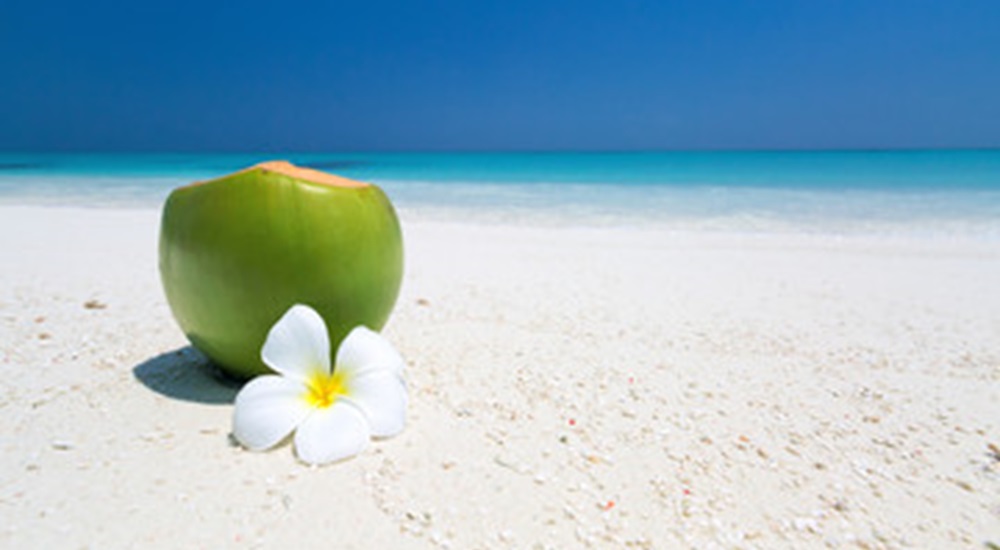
[{"x": 191, "y": 75}]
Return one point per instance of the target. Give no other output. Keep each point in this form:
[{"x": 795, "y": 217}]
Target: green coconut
[{"x": 236, "y": 252}]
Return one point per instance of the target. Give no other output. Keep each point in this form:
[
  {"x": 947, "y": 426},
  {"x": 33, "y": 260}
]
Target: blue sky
[{"x": 373, "y": 75}]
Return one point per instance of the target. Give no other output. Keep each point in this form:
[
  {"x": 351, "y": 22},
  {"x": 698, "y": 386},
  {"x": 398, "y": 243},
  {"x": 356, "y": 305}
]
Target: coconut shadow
[{"x": 187, "y": 375}]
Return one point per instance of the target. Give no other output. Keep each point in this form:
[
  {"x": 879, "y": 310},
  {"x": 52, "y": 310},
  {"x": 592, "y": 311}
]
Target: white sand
[{"x": 570, "y": 387}]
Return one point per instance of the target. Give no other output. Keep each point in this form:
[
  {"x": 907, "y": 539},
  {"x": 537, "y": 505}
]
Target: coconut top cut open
[
  {"x": 306, "y": 174},
  {"x": 300, "y": 173}
]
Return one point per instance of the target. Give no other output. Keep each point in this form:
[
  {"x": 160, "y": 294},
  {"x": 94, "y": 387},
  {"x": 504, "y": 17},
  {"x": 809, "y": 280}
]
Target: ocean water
[{"x": 934, "y": 192}]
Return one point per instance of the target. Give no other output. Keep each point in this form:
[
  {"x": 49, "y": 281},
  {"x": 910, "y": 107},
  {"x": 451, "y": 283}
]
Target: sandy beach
[{"x": 570, "y": 387}]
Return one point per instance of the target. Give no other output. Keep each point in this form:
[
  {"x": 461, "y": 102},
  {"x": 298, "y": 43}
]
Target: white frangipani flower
[{"x": 333, "y": 414}]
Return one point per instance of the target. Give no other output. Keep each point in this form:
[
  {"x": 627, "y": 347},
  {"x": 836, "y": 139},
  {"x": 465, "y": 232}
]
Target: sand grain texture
[{"x": 569, "y": 387}]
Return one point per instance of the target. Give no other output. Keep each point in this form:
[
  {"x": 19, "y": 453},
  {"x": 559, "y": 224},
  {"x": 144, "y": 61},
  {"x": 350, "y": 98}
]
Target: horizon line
[{"x": 496, "y": 151}]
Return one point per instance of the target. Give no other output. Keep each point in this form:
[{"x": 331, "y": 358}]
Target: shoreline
[
  {"x": 734, "y": 227},
  {"x": 569, "y": 387}
]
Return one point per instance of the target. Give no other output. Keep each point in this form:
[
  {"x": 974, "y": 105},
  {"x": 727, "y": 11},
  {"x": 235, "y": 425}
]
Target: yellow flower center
[{"x": 323, "y": 390}]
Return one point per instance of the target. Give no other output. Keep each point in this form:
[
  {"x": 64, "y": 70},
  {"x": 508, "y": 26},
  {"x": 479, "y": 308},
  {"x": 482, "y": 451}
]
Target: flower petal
[
  {"x": 382, "y": 398},
  {"x": 267, "y": 409},
  {"x": 331, "y": 434},
  {"x": 298, "y": 345},
  {"x": 364, "y": 351}
]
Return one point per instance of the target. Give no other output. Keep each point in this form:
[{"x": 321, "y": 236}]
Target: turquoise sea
[{"x": 937, "y": 192}]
